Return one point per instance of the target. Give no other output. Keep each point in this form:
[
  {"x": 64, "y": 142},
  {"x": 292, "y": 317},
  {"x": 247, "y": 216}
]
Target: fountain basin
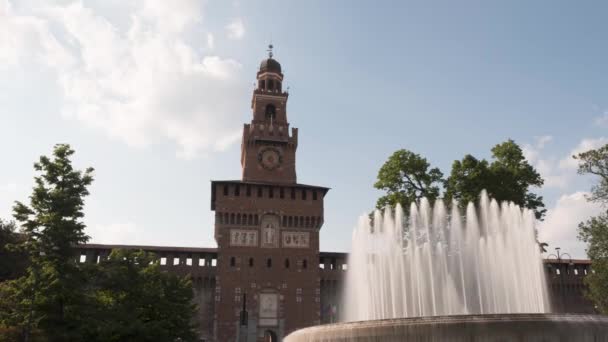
[{"x": 463, "y": 328}]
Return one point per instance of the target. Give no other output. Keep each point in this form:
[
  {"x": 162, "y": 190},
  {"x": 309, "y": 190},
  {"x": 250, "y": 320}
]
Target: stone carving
[
  {"x": 270, "y": 231},
  {"x": 269, "y": 309},
  {"x": 296, "y": 239},
  {"x": 243, "y": 237}
]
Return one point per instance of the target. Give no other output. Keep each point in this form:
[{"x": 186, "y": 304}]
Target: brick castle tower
[{"x": 267, "y": 228}]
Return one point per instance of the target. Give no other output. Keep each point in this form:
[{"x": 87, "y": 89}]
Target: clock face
[{"x": 270, "y": 158}]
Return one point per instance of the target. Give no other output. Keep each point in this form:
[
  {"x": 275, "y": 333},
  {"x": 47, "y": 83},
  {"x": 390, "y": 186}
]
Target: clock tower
[
  {"x": 267, "y": 228},
  {"x": 268, "y": 151}
]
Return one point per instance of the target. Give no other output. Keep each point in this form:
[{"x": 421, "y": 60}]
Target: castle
[{"x": 267, "y": 277}]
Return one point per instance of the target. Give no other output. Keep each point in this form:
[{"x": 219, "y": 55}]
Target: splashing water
[{"x": 434, "y": 263}]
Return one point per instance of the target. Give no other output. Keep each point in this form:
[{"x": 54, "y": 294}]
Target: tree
[
  {"x": 595, "y": 162},
  {"x": 12, "y": 263},
  {"x": 468, "y": 178},
  {"x": 135, "y": 300},
  {"x": 594, "y": 231},
  {"x": 507, "y": 178},
  {"x": 407, "y": 177},
  {"x": 124, "y": 298},
  {"x": 52, "y": 292}
]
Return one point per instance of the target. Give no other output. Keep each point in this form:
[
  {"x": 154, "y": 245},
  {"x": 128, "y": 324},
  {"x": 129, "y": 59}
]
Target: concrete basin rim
[{"x": 461, "y": 319}]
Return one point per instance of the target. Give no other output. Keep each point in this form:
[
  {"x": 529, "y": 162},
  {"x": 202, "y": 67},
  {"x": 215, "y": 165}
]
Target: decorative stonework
[
  {"x": 270, "y": 231},
  {"x": 243, "y": 237},
  {"x": 296, "y": 239},
  {"x": 269, "y": 309}
]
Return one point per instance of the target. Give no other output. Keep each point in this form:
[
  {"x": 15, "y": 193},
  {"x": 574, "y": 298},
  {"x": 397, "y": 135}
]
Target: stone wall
[{"x": 564, "y": 280}]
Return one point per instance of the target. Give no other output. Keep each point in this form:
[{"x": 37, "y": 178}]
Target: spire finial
[{"x": 270, "y": 50}]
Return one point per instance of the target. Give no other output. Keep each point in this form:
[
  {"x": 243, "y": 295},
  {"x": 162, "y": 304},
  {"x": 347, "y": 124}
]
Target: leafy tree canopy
[
  {"x": 124, "y": 298},
  {"x": 594, "y": 231},
  {"x": 407, "y": 177},
  {"x": 507, "y": 178},
  {"x": 53, "y": 288},
  {"x": 136, "y": 300},
  {"x": 595, "y": 162},
  {"x": 12, "y": 263}
]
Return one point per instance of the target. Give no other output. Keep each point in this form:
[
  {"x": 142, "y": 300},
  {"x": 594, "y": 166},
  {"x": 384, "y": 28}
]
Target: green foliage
[
  {"x": 12, "y": 263},
  {"x": 135, "y": 300},
  {"x": 52, "y": 222},
  {"x": 53, "y": 288},
  {"x": 124, "y": 298},
  {"x": 595, "y": 233},
  {"x": 595, "y": 230},
  {"x": 507, "y": 178},
  {"x": 407, "y": 177},
  {"x": 595, "y": 162},
  {"x": 468, "y": 178}
]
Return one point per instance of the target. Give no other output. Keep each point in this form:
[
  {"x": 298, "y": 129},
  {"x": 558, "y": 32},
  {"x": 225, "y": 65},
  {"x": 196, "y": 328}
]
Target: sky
[{"x": 153, "y": 95}]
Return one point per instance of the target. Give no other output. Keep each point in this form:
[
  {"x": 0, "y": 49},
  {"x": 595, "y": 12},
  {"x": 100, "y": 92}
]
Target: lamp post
[{"x": 558, "y": 256}]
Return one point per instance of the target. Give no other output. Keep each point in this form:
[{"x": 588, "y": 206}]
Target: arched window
[
  {"x": 232, "y": 262},
  {"x": 271, "y": 112},
  {"x": 270, "y": 84},
  {"x": 250, "y": 262},
  {"x": 286, "y": 263},
  {"x": 262, "y": 84},
  {"x": 269, "y": 263},
  {"x": 304, "y": 263},
  {"x": 290, "y": 221},
  {"x": 232, "y": 218}
]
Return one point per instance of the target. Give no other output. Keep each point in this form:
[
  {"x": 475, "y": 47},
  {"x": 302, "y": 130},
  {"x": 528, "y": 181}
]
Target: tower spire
[{"x": 270, "y": 54}]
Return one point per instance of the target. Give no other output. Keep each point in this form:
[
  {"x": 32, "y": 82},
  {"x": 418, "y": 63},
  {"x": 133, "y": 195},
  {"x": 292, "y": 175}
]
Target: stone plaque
[
  {"x": 269, "y": 308},
  {"x": 243, "y": 237},
  {"x": 296, "y": 239}
]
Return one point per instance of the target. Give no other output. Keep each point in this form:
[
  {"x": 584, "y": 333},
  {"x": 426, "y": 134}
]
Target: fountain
[{"x": 435, "y": 275}]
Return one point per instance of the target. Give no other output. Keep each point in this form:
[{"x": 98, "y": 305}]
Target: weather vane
[{"x": 270, "y": 50}]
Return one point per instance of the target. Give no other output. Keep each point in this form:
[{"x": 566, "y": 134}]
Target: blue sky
[{"x": 153, "y": 94}]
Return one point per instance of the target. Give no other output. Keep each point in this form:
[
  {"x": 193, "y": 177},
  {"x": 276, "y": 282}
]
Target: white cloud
[
  {"x": 28, "y": 38},
  {"x": 236, "y": 29},
  {"x": 585, "y": 145},
  {"x": 531, "y": 152},
  {"x": 547, "y": 167},
  {"x": 558, "y": 172},
  {"x": 140, "y": 80},
  {"x": 559, "y": 228},
  {"x": 602, "y": 121}
]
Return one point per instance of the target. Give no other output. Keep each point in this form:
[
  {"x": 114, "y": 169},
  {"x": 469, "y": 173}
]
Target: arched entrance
[{"x": 270, "y": 336}]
